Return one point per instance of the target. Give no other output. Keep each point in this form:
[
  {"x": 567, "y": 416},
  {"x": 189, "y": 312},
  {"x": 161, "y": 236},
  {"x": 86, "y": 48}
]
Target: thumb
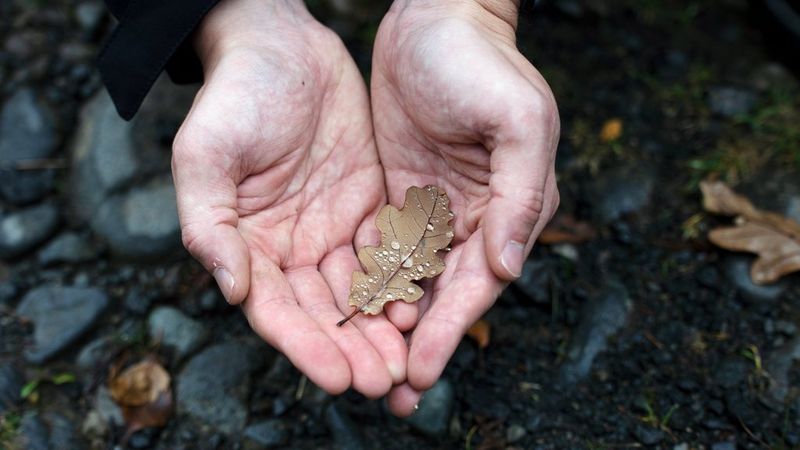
[
  {"x": 206, "y": 197},
  {"x": 523, "y": 199}
]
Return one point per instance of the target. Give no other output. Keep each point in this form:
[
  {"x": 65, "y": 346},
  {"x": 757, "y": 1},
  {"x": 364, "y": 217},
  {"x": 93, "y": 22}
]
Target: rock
[
  {"x": 22, "y": 230},
  {"x": 89, "y": 14},
  {"x": 96, "y": 353},
  {"x": 266, "y": 434},
  {"x": 534, "y": 281},
  {"x": 67, "y": 248},
  {"x": 105, "y": 413},
  {"x": 11, "y": 382},
  {"x": 23, "y": 187},
  {"x": 786, "y": 327},
  {"x": 515, "y": 433},
  {"x": 725, "y": 445},
  {"x": 212, "y": 300},
  {"x": 435, "y": 408},
  {"x": 176, "y": 331},
  {"x": 681, "y": 446},
  {"x": 48, "y": 431},
  {"x": 142, "y": 223},
  {"x": 601, "y": 318},
  {"x": 730, "y": 101},
  {"x": 620, "y": 191},
  {"x": 143, "y": 438},
  {"x": 346, "y": 434},
  {"x": 60, "y": 315},
  {"x": 737, "y": 270},
  {"x": 138, "y": 301},
  {"x": 731, "y": 372},
  {"x": 8, "y": 293},
  {"x": 215, "y": 384},
  {"x": 27, "y": 129},
  {"x": 648, "y": 436},
  {"x": 779, "y": 365}
]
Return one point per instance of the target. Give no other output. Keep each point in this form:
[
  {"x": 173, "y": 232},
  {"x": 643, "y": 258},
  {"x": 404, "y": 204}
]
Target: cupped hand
[
  {"x": 276, "y": 171},
  {"x": 456, "y": 105}
]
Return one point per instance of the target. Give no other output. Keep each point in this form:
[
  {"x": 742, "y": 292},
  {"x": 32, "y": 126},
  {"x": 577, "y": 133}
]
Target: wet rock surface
[
  {"x": 435, "y": 409},
  {"x": 174, "y": 330},
  {"x": 22, "y": 230}
]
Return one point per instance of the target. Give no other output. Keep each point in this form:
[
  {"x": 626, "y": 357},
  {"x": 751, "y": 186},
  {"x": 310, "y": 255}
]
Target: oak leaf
[
  {"x": 564, "y": 228},
  {"x": 773, "y": 237},
  {"x": 411, "y": 238},
  {"x": 143, "y": 393},
  {"x": 481, "y": 333}
]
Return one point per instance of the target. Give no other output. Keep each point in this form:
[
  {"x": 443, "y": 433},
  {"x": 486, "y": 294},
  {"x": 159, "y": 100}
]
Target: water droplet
[
  {"x": 413, "y": 247},
  {"x": 389, "y": 296},
  {"x": 420, "y": 268},
  {"x": 384, "y": 268},
  {"x": 364, "y": 293},
  {"x": 449, "y": 234},
  {"x": 429, "y": 227},
  {"x": 408, "y": 263},
  {"x": 433, "y": 272},
  {"x": 395, "y": 245},
  {"x": 410, "y": 290},
  {"x": 427, "y": 264},
  {"x": 392, "y": 259}
]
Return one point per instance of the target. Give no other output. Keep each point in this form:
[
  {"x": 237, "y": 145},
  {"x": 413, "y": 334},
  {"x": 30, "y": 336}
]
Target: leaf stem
[{"x": 352, "y": 314}]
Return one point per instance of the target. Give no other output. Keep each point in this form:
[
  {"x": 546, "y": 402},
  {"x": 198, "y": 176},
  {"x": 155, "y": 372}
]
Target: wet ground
[{"x": 646, "y": 336}]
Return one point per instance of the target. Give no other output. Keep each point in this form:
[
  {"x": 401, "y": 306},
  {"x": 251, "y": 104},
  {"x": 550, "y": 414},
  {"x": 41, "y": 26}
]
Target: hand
[
  {"x": 456, "y": 105},
  {"x": 276, "y": 170}
]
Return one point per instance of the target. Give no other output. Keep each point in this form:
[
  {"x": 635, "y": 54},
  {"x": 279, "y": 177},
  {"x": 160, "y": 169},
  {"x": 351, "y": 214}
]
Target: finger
[
  {"x": 520, "y": 165},
  {"x": 370, "y": 376},
  {"x": 206, "y": 197},
  {"x": 403, "y": 400},
  {"x": 337, "y": 269},
  {"x": 469, "y": 294},
  {"x": 275, "y": 315}
]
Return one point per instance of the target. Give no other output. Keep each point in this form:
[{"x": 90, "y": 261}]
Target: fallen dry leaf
[
  {"x": 773, "y": 237},
  {"x": 143, "y": 393},
  {"x": 410, "y": 240},
  {"x": 480, "y": 331},
  {"x": 611, "y": 131},
  {"x": 566, "y": 229}
]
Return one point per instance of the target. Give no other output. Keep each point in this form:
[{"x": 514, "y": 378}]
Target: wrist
[{"x": 244, "y": 24}]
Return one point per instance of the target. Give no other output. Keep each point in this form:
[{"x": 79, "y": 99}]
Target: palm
[
  {"x": 446, "y": 108},
  {"x": 305, "y": 178}
]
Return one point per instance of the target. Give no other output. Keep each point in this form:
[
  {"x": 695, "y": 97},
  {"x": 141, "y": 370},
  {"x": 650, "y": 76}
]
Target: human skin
[
  {"x": 277, "y": 178},
  {"x": 455, "y": 104}
]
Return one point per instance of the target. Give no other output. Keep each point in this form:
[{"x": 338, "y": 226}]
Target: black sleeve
[{"x": 151, "y": 36}]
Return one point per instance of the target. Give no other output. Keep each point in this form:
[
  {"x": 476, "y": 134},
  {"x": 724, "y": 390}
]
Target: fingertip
[
  {"x": 403, "y": 400},
  {"x": 402, "y": 315},
  {"x": 505, "y": 240}
]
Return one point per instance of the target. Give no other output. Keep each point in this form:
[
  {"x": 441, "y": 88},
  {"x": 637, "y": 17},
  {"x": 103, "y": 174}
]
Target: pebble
[
  {"x": 67, "y": 248},
  {"x": 515, "y": 433},
  {"x": 60, "y": 315},
  {"x": 23, "y": 187},
  {"x": 601, "y": 318},
  {"x": 435, "y": 409},
  {"x": 266, "y": 434},
  {"x": 11, "y": 382},
  {"x": 27, "y": 128},
  {"x": 779, "y": 364},
  {"x": 534, "y": 281},
  {"x": 138, "y": 300},
  {"x": 89, "y": 14},
  {"x": 48, "y": 431},
  {"x": 737, "y": 270},
  {"x": 731, "y": 101},
  {"x": 648, "y": 435},
  {"x": 104, "y": 413},
  {"x": 621, "y": 191},
  {"x": 346, "y": 434},
  {"x": 24, "y": 229},
  {"x": 214, "y": 385},
  {"x": 176, "y": 331},
  {"x": 731, "y": 372}
]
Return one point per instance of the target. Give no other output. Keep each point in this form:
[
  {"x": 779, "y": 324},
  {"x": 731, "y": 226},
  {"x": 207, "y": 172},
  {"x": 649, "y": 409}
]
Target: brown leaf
[
  {"x": 410, "y": 240},
  {"x": 773, "y": 237},
  {"x": 611, "y": 131},
  {"x": 139, "y": 384},
  {"x": 155, "y": 414},
  {"x": 566, "y": 229},
  {"x": 480, "y": 331}
]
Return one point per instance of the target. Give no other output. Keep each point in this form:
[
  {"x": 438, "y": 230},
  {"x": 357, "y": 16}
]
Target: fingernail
[
  {"x": 225, "y": 281},
  {"x": 513, "y": 257}
]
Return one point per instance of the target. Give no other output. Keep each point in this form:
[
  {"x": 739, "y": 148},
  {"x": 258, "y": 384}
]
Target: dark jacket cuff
[{"x": 151, "y": 35}]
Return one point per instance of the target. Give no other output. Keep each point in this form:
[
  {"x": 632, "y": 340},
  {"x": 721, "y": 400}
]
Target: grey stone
[
  {"x": 681, "y": 446},
  {"x": 647, "y": 435},
  {"x": 60, "y": 315},
  {"x": 730, "y": 101},
  {"x": 737, "y": 270},
  {"x": 779, "y": 364},
  {"x": 346, "y": 434},
  {"x": 266, "y": 434},
  {"x": 601, "y": 318},
  {"x": 95, "y": 353},
  {"x": 515, "y": 433},
  {"x": 214, "y": 385},
  {"x": 176, "y": 331},
  {"x": 621, "y": 191},
  {"x": 27, "y": 128},
  {"x": 731, "y": 372},
  {"x": 89, "y": 14},
  {"x": 725, "y": 445},
  {"x": 534, "y": 281},
  {"x": 104, "y": 414},
  {"x": 435, "y": 409},
  {"x": 22, "y": 230},
  {"x": 48, "y": 431},
  {"x": 67, "y": 248},
  {"x": 23, "y": 187},
  {"x": 138, "y": 300},
  {"x": 142, "y": 223},
  {"x": 11, "y": 382}
]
